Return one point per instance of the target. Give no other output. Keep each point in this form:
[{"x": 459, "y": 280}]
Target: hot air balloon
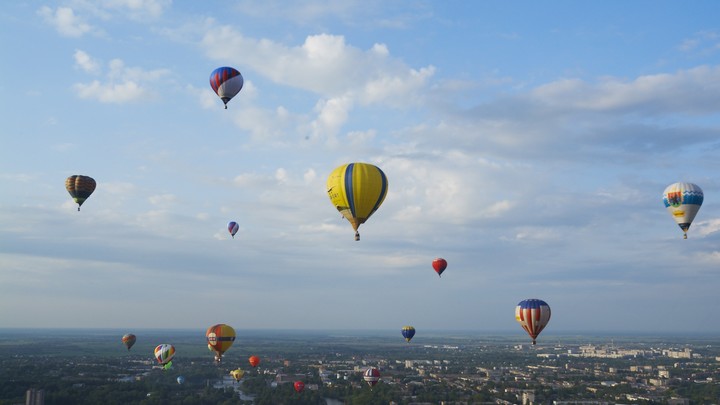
[
  {"x": 129, "y": 340},
  {"x": 683, "y": 200},
  {"x": 181, "y": 380},
  {"x": 408, "y": 332},
  {"x": 226, "y": 82},
  {"x": 371, "y": 376},
  {"x": 80, "y": 187},
  {"x": 233, "y": 228},
  {"x": 439, "y": 265},
  {"x": 167, "y": 366},
  {"x": 299, "y": 386},
  {"x": 357, "y": 190},
  {"x": 254, "y": 361},
  {"x": 533, "y": 315},
  {"x": 237, "y": 374},
  {"x": 164, "y": 353},
  {"x": 220, "y": 337}
]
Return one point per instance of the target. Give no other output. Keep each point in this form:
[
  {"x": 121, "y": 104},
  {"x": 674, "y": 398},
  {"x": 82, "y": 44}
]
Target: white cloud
[
  {"x": 324, "y": 64},
  {"x": 85, "y": 62},
  {"x": 163, "y": 200},
  {"x": 692, "y": 90},
  {"x": 139, "y": 9},
  {"x": 341, "y": 75},
  {"x": 706, "y": 228},
  {"x": 109, "y": 92},
  {"x": 309, "y": 176},
  {"x": 332, "y": 114},
  {"x": 65, "y": 21},
  {"x": 281, "y": 175},
  {"x": 123, "y": 84}
]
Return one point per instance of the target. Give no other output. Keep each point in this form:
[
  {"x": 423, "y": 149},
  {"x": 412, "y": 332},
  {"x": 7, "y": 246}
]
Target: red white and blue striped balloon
[
  {"x": 226, "y": 82},
  {"x": 372, "y": 376},
  {"x": 533, "y": 315},
  {"x": 233, "y": 228}
]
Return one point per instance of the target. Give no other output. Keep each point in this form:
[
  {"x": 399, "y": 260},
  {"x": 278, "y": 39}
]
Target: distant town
[{"x": 461, "y": 369}]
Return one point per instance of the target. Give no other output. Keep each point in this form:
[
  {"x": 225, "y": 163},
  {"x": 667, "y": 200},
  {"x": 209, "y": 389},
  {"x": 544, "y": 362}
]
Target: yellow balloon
[
  {"x": 237, "y": 374},
  {"x": 357, "y": 190}
]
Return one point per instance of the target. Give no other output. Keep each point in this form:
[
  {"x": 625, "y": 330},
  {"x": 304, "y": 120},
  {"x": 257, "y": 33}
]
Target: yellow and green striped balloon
[{"x": 80, "y": 187}]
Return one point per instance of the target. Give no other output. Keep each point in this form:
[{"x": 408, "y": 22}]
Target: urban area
[{"x": 73, "y": 368}]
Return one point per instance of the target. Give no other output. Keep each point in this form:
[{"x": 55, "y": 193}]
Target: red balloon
[
  {"x": 299, "y": 386},
  {"x": 439, "y": 265},
  {"x": 254, "y": 361}
]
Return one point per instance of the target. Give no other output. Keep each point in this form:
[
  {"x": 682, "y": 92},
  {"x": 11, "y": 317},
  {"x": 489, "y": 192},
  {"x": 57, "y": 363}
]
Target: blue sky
[{"x": 527, "y": 143}]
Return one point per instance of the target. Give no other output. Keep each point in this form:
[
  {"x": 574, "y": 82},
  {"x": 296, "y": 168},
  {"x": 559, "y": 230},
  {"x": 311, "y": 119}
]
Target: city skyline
[{"x": 527, "y": 144}]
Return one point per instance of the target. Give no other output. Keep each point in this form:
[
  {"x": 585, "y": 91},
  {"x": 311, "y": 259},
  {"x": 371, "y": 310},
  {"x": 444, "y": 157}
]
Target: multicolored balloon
[
  {"x": 237, "y": 374},
  {"x": 299, "y": 386},
  {"x": 233, "y": 228},
  {"x": 683, "y": 201},
  {"x": 533, "y": 315},
  {"x": 439, "y": 264},
  {"x": 408, "y": 332},
  {"x": 254, "y": 361},
  {"x": 220, "y": 337},
  {"x": 357, "y": 190},
  {"x": 80, "y": 188},
  {"x": 226, "y": 82},
  {"x": 164, "y": 353},
  {"x": 371, "y": 376},
  {"x": 129, "y": 340}
]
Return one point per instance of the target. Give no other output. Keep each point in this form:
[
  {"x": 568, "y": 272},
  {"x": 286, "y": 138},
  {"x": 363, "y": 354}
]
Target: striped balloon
[
  {"x": 233, "y": 228},
  {"x": 371, "y": 376},
  {"x": 80, "y": 188},
  {"x": 357, "y": 190},
  {"x": 533, "y": 315},
  {"x": 164, "y": 353},
  {"x": 226, "y": 82}
]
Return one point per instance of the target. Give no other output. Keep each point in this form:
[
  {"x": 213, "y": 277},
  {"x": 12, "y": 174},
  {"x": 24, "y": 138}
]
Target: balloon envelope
[
  {"x": 164, "y": 353},
  {"x": 129, "y": 340},
  {"x": 254, "y": 361},
  {"x": 371, "y": 376},
  {"x": 357, "y": 190},
  {"x": 80, "y": 188},
  {"x": 408, "y": 332},
  {"x": 237, "y": 374},
  {"x": 683, "y": 201},
  {"x": 181, "y": 380},
  {"x": 226, "y": 82},
  {"x": 439, "y": 265},
  {"x": 220, "y": 337},
  {"x": 299, "y": 386},
  {"x": 233, "y": 228},
  {"x": 533, "y": 315}
]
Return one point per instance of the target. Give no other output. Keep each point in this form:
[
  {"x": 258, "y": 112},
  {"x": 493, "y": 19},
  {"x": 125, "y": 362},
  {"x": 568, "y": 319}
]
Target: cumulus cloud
[
  {"x": 86, "y": 62},
  {"x": 341, "y": 75},
  {"x": 65, "y": 21},
  {"x": 323, "y": 64},
  {"x": 122, "y": 84}
]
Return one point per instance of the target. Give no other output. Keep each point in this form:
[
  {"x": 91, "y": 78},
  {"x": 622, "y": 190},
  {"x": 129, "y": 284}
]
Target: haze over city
[{"x": 526, "y": 143}]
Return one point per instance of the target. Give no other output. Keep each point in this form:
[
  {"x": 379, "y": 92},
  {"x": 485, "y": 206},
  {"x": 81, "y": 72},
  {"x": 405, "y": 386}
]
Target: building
[{"x": 34, "y": 397}]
